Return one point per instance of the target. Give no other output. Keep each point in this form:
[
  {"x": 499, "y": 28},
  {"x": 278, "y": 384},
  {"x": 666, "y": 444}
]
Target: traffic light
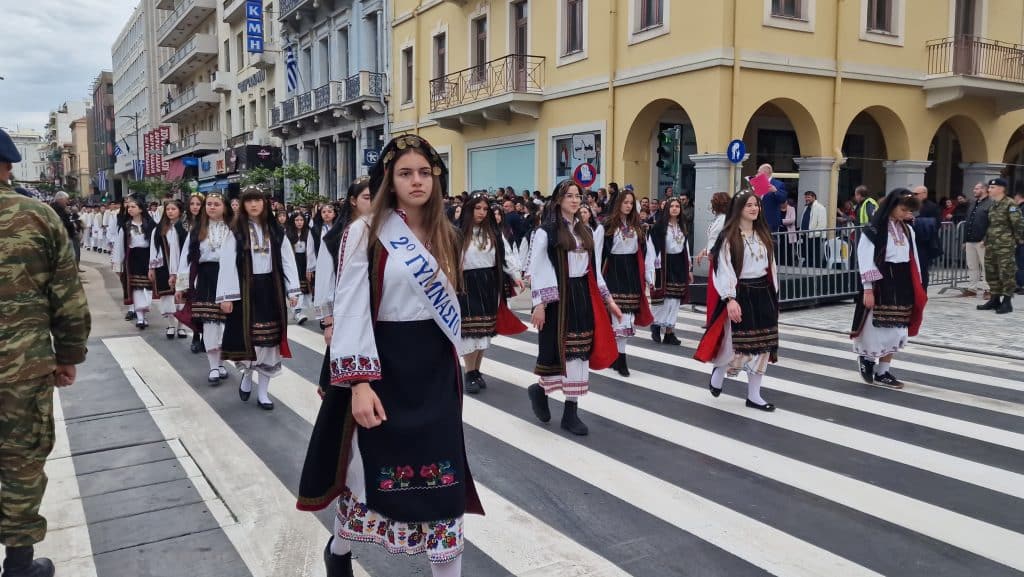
[{"x": 668, "y": 152}]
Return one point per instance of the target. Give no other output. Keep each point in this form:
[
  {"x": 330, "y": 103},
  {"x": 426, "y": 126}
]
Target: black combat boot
[
  {"x": 656, "y": 333},
  {"x": 19, "y": 563},
  {"x": 539, "y": 402},
  {"x": 620, "y": 365},
  {"x": 337, "y": 565},
  {"x": 1006, "y": 306},
  {"x": 992, "y": 304},
  {"x": 671, "y": 339},
  {"x": 571, "y": 420},
  {"x": 472, "y": 385}
]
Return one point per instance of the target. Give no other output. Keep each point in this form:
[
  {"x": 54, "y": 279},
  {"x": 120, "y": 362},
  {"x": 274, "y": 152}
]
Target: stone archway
[
  {"x": 778, "y": 131},
  {"x": 639, "y": 155},
  {"x": 958, "y": 153},
  {"x": 874, "y": 136}
]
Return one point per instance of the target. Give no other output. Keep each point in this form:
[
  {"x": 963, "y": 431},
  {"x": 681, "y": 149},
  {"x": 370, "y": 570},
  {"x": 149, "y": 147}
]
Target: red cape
[
  {"x": 604, "y": 351},
  {"x": 508, "y": 323},
  {"x": 711, "y": 297},
  {"x": 711, "y": 342}
]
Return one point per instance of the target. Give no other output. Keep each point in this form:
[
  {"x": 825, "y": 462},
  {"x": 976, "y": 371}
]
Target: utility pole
[{"x": 135, "y": 118}]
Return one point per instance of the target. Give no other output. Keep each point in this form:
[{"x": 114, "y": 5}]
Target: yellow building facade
[{"x": 836, "y": 93}]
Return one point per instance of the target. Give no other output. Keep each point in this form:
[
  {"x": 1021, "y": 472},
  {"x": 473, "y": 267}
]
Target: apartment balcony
[
  {"x": 363, "y": 93},
  {"x": 195, "y": 100},
  {"x": 200, "y": 50},
  {"x": 969, "y": 66},
  {"x": 240, "y": 139},
  {"x": 199, "y": 143},
  {"x": 294, "y": 8},
  {"x": 494, "y": 90},
  {"x": 309, "y": 110},
  {"x": 223, "y": 82},
  {"x": 165, "y": 4},
  {"x": 268, "y": 58},
  {"x": 183, "y": 22},
  {"x": 234, "y": 10}
]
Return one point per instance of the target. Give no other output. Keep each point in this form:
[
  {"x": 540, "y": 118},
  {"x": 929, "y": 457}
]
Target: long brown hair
[
  {"x": 204, "y": 219},
  {"x": 441, "y": 238},
  {"x": 489, "y": 226},
  {"x": 565, "y": 239},
  {"x": 732, "y": 234},
  {"x": 265, "y": 220},
  {"x": 617, "y": 219}
]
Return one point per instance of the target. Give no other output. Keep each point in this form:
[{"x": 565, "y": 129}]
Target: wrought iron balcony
[
  {"x": 290, "y": 7},
  {"x": 239, "y": 139},
  {"x": 963, "y": 66},
  {"x": 183, "y": 22},
  {"x": 351, "y": 98},
  {"x": 275, "y": 116},
  {"x": 492, "y": 90}
]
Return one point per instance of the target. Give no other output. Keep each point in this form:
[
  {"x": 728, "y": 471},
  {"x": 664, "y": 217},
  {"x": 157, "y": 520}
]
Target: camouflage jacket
[
  {"x": 40, "y": 292},
  {"x": 1005, "y": 227}
]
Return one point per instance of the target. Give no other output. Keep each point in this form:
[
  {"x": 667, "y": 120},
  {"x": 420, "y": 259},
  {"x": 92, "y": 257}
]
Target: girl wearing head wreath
[
  {"x": 673, "y": 274},
  {"x": 165, "y": 246},
  {"x": 197, "y": 278},
  {"x": 891, "y": 303},
  {"x": 130, "y": 257},
  {"x": 488, "y": 278},
  {"x": 744, "y": 329},
  {"x": 258, "y": 280},
  {"x": 388, "y": 440},
  {"x": 568, "y": 293}
]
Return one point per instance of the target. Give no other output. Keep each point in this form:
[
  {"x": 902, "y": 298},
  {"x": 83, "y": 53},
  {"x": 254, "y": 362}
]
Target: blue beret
[
  {"x": 998, "y": 182},
  {"x": 8, "y": 152}
]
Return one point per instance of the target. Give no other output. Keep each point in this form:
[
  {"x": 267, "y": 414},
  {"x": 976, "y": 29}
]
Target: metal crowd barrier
[
  {"x": 817, "y": 265},
  {"x": 949, "y": 267}
]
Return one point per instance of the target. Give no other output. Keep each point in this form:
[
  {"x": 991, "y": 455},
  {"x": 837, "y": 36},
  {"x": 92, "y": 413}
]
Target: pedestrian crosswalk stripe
[
  {"x": 979, "y": 537},
  {"x": 514, "y": 538}
]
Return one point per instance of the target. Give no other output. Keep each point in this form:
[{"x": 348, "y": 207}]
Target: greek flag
[
  {"x": 117, "y": 150},
  {"x": 291, "y": 65},
  {"x": 101, "y": 180},
  {"x": 140, "y": 169}
]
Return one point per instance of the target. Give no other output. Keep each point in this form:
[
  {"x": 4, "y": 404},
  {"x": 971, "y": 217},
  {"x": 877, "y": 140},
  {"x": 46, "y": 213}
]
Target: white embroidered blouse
[{"x": 544, "y": 280}]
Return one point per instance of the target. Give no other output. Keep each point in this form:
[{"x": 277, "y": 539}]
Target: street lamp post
[{"x": 135, "y": 118}]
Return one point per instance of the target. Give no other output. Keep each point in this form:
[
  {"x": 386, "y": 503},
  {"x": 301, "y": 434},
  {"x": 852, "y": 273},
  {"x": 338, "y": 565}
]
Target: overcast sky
[{"x": 51, "y": 51}]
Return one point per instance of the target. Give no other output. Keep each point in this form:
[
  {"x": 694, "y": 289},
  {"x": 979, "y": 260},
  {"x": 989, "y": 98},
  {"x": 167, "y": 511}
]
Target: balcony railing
[
  {"x": 200, "y": 42},
  {"x": 275, "y": 116},
  {"x": 515, "y": 73},
  {"x": 290, "y": 6},
  {"x": 365, "y": 83},
  {"x": 239, "y": 139},
  {"x": 335, "y": 93},
  {"x": 199, "y": 140},
  {"x": 976, "y": 57},
  {"x": 169, "y": 33}
]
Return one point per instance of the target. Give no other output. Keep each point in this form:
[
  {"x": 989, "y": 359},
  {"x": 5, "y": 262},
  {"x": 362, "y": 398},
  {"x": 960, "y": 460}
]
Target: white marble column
[
  {"x": 975, "y": 172},
  {"x": 904, "y": 173},
  {"x": 712, "y": 175}
]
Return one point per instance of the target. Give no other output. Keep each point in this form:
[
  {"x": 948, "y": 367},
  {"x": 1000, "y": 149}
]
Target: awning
[
  {"x": 175, "y": 169},
  {"x": 220, "y": 184}
]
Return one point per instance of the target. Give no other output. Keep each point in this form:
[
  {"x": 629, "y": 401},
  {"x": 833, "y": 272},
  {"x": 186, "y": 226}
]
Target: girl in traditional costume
[
  {"x": 891, "y": 304},
  {"x": 190, "y": 222},
  {"x": 165, "y": 246},
  {"x": 569, "y": 299},
  {"x": 489, "y": 277},
  {"x": 324, "y": 219},
  {"x": 298, "y": 236},
  {"x": 744, "y": 329},
  {"x": 673, "y": 273},
  {"x": 197, "y": 279},
  {"x": 389, "y": 436},
  {"x": 130, "y": 257},
  {"x": 256, "y": 283},
  {"x": 627, "y": 264}
]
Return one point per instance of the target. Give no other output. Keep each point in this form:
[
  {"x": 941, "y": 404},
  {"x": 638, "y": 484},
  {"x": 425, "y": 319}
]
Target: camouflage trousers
[
  {"x": 26, "y": 439},
  {"x": 1000, "y": 270}
]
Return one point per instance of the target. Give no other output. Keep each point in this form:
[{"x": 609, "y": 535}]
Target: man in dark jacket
[
  {"x": 975, "y": 228},
  {"x": 926, "y": 229},
  {"x": 60, "y": 206},
  {"x": 771, "y": 201}
]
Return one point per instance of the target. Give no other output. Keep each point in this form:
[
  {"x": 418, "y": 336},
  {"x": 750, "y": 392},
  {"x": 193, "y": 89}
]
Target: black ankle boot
[
  {"x": 19, "y": 563},
  {"x": 622, "y": 368},
  {"x": 337, "y": 565},
  {"x": 992, "y": 304},
  {"x": 472, "y": 384},
  {"x": 671, "y": 339},
  {"x": 656, "y": 333},
  {"x": 1006, "y": 306},
  {"x": 571, "y": 420},
  {"x": 539, "y": 402}
]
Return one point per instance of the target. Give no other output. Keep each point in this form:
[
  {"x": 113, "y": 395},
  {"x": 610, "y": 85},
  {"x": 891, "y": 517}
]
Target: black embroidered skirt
[
  {"x": 414, "y": 463},
  {"x": 578, "y": 337},
  {"x": 163, "y": 281},
  {"x": 300, "y": 265},
  {"x": 204, "y": 305},
  {"x": 894, "y": 296},
  {"x": 479, "y": 303},
  {"x": 622, "y": 275},
  {"x": 265, "y": 321},
  {"x": 758, "y": 331},
  {"x": 677, "y": 276},
  {"x": 138, "y": 268}
]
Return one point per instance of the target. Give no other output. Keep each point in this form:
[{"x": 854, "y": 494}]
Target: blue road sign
[
  {"x": 736, "y": 151},
  {"x": 370, "y": 156},
  {"x": 585, "y": 175}
]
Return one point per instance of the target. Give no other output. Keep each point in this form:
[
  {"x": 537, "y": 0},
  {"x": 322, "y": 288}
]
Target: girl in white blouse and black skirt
[
  {"x": 744, "y": 331},
  {"x": 164, "y": 255},
  {"x": 673, "y": 274},
  {"x": 130, "y": 257}
]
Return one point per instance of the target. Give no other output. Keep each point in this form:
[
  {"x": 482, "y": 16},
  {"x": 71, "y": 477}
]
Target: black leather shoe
[
  {"x": 656, "y": 333},
  {"x": 671, "y": 339},
  {"x": 571, "y": 420},
  {"x": 539, "y": 401},
  {"x": 19, "y": 563},
  {"x": 867, "y": 369},
  {"x": 1006, "y": 306},
  {"x": 196, "y": 347},
  {"x": 480, "y": 380},
  {"x": 992, "y": 304},
  {"x": 266, "y": 406},
  {"x": 767, "y": 407},
  {"x": 472, "y": 385},
  {"x": 715, "y": 391},
  {"x": 337, "y": 565},
  {"x": 622, "y": 368},
  {"x": 244, "y": 395},
  {"x": 129, "y": 316}
]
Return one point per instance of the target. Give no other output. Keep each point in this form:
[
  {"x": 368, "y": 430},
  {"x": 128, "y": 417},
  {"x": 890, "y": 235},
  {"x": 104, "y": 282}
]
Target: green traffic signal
[{"x": 668, "y": 146}]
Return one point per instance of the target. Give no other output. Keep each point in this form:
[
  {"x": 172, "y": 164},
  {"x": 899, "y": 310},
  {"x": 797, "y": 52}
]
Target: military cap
[
  {"x": 8, "y": 152},
  {"x": 998, "y": 182}
]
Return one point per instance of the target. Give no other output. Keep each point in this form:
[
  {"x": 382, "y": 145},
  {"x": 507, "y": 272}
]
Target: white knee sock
[
  {"x": 754, "y": 388},
  {"x": 246, "y": 384},
  {"x": 882, "y": 368},
  {"x": 718, "y": 377},
  {"x": 572, "y": 398},
  {"x": 140, "y": 316},
  {"x": 214, "y": 358},
  {"x": 262, "y": 387},
  {"x": 339, "y": 546},
  {"x": 621, "y": 343},
  {"x": 131, "y": 308},
  {"x": 451, "y": 569}
]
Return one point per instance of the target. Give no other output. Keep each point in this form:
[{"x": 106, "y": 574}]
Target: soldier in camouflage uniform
[
  {"x": 44, "y": 325},
  {"x": 1005, "y": 232}
]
